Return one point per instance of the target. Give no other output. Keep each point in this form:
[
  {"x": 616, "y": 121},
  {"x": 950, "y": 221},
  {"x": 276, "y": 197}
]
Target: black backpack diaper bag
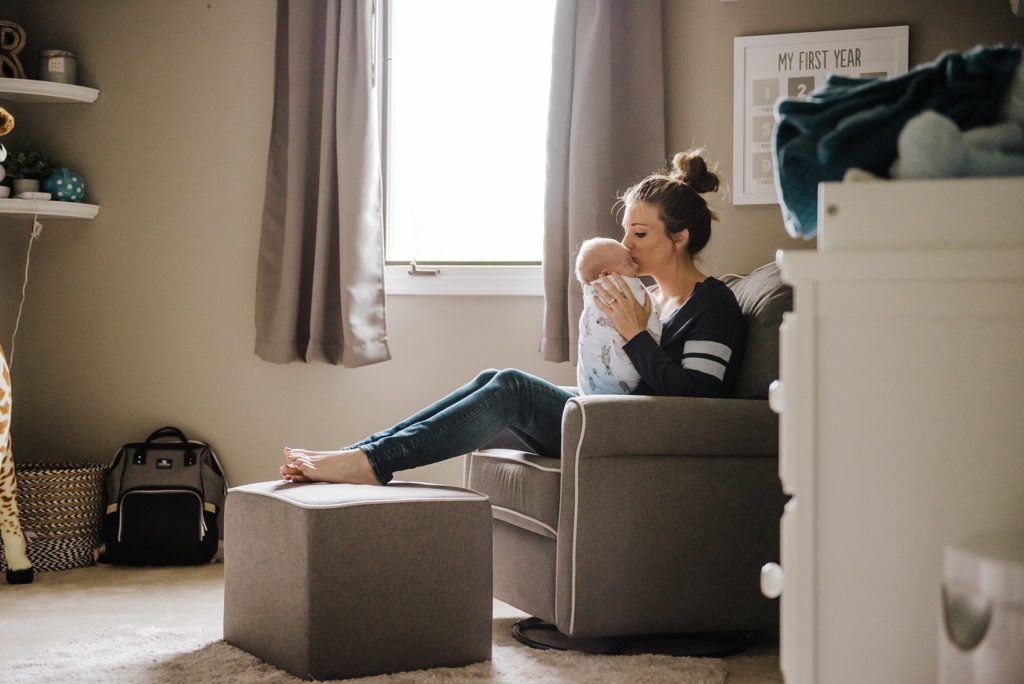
[{"x": 164, "y": 502}]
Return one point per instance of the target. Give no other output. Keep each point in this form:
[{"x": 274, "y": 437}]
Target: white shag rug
[{"x": 154, "y": 655}]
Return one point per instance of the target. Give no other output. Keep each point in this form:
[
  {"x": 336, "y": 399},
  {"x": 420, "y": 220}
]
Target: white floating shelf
[
  {"x": 47, "y": 209},
  {"x": 29, "y": 90}
]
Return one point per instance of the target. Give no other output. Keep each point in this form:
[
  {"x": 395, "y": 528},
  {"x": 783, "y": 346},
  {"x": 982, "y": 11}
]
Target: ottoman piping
[{"x": 476, "y": 498}]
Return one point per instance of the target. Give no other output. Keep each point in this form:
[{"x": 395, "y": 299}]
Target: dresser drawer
[
  {"x": 789, "y": 606},
  {"x": 793, "y": 397}
]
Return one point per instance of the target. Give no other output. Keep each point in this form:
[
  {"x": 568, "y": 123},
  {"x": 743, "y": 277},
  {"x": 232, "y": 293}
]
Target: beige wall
[
  {"x": 144, "y": 316},
  {"x": 699, "y": 49}
]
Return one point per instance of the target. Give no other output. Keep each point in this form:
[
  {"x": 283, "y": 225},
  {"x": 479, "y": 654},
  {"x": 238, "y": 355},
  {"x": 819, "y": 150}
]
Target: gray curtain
[
  {"x": 606, "y": 131},
  {"x": 320, "y": 280}
]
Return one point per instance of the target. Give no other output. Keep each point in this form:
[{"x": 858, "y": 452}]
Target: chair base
[{"x": 538, "y": 634}]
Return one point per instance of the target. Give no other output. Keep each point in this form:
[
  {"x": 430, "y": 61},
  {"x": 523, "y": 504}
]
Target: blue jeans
[{"x": 469, "y": 418}]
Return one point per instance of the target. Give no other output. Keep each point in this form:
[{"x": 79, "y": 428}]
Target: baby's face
[{"x": 617, "y": 260}]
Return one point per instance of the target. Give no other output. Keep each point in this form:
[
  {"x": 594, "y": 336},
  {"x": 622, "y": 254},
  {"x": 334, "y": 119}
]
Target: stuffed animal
[
  {"x": 6, "y": 122},
  {"x": 6, "y": 126},
  {"x": 933, "y": 146},
  {"x": 19, "y": 567}
]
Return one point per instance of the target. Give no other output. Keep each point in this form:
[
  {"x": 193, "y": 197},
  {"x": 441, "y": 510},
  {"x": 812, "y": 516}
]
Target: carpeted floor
[{"x": 105, "y": 624}]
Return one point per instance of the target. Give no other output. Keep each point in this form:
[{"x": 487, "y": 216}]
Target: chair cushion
[
  {"x": 523, "y": 487},
  {"x": 763, "y": 298}
]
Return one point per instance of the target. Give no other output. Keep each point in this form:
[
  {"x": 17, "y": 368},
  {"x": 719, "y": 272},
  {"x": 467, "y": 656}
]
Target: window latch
[{"x": 414, "y": 270}]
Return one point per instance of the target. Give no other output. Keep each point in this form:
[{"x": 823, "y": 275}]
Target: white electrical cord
[{"x": 37, "y": 228}]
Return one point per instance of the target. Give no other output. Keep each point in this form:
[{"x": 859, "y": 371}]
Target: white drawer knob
[
  {"x": 775, "y": 396},
  {"x": 771, "y": 580}
]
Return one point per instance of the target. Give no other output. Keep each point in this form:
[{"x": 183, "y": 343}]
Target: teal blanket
[{"x": 855, "y": 122}]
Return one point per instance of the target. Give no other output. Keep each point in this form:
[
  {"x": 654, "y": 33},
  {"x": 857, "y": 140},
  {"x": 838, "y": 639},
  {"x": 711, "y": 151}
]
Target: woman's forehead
[{"x": 640, "y": 212}]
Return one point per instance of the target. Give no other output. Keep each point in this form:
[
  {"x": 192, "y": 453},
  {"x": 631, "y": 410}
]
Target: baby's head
[{"x": 603, "y": 254}]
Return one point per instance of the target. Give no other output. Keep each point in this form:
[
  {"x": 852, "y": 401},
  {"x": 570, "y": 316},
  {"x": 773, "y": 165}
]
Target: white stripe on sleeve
[
  {"x": 718, "y": 349},
  {"x": 703, "y": 365}
]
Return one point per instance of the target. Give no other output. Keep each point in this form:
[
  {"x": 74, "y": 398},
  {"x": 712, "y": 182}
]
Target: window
[{"x": 465, "y": 128}]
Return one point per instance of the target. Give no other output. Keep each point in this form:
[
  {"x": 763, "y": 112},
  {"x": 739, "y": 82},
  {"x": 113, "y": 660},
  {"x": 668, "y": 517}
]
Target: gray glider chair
[{"x": 661, "y": 511}]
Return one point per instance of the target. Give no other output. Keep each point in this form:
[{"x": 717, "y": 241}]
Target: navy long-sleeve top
[{"x": 701, "y": 347}]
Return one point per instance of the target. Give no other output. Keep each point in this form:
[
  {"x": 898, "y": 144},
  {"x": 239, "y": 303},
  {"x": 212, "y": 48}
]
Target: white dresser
[{"x": 901, "y": 396}]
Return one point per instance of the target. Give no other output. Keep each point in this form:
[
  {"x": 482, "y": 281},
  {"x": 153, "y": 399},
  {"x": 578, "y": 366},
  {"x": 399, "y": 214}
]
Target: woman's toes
[{"x": 290, "y": 470}]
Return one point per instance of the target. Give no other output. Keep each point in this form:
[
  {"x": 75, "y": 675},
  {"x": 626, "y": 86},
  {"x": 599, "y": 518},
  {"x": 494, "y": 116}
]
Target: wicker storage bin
[{"x": 61, "y": 510}]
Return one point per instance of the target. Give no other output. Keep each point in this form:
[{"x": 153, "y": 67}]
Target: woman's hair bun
[{"x": 690, "y": 168}]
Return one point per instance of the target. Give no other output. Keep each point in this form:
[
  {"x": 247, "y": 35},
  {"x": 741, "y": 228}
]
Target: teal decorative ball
[{"x": 64, "y": 185}]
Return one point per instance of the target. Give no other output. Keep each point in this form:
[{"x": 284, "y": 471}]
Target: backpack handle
[{"x": 168, "y": 431}]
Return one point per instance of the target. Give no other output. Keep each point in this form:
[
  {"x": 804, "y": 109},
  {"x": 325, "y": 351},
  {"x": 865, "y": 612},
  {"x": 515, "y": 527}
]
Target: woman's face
[{"x": 647, "y": 240}]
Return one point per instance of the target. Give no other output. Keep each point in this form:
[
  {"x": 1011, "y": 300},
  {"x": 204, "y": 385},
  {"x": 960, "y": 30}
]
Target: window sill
[{"x": 514, "y": 281}]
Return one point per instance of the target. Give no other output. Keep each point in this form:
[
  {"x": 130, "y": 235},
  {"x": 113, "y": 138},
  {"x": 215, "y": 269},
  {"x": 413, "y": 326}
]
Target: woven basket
[{"x": 61, "y": 510}]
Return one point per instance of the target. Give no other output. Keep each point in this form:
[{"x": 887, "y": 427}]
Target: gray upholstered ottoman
[{"x": 331, "y": 581}]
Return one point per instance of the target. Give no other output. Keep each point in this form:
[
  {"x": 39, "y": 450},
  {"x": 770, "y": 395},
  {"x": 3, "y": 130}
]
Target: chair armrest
[
  {"x": 668, "y": 508},
  {"x": 604, "y": 425}
]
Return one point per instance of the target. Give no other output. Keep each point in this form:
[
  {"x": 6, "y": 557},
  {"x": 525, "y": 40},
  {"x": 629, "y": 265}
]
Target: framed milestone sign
[{"x": 791, "y": 65}]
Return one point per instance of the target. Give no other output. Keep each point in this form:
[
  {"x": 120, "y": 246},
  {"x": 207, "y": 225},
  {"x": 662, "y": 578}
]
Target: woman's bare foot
[
  {"x": 290, "y": 474},
  {"x": 306, "y": 452},
  {"x": 351, "y": 467}
]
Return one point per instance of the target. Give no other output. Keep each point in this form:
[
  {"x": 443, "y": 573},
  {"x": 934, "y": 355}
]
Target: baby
[{"x": 602, "y": 367}]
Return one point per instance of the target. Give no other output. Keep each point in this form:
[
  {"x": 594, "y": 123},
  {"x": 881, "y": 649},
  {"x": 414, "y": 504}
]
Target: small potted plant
[{"x": 26, "y": 168}]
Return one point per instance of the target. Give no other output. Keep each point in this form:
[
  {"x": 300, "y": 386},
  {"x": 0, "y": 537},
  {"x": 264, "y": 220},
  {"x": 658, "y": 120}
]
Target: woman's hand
[{"x": 614, "y": 298}]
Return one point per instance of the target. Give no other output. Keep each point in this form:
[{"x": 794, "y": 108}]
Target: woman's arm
[
  {"x": 664, "y": 376},
  {"x": 700, "y": 345},
  {"x": 700, "y": 349}
]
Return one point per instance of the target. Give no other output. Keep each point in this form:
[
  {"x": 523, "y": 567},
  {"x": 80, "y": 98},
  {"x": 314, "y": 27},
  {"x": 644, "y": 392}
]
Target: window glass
[{"x": 467, "y": 103}]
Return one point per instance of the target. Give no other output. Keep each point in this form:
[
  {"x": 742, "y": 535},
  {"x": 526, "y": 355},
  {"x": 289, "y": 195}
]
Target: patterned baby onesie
[{"x": 602, "y": 366}]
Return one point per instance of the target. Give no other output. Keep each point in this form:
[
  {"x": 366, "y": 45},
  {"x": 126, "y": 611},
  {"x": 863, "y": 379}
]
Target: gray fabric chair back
[{"x": 763, "y": 297}]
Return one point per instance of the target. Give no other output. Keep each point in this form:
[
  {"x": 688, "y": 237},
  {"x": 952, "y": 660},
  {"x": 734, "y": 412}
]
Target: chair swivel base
[{"x": 536, "y": 633}]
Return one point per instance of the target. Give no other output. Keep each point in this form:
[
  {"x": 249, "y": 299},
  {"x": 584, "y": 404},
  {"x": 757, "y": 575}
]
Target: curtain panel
[
  {"x": 606, "y": 131},
  {"x": 320, "y": 278}
]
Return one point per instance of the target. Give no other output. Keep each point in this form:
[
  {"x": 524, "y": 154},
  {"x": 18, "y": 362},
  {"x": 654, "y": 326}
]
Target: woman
[{"x": 667, "y": 223}]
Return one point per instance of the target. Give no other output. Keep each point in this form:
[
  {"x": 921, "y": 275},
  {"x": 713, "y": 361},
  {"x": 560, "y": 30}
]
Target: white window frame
[
  {"x": 483, "y": 280},
  {"x": 448, "y": 279}
]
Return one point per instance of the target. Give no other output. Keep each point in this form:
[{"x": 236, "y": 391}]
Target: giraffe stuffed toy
[{"x": 19, "y": 568}]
